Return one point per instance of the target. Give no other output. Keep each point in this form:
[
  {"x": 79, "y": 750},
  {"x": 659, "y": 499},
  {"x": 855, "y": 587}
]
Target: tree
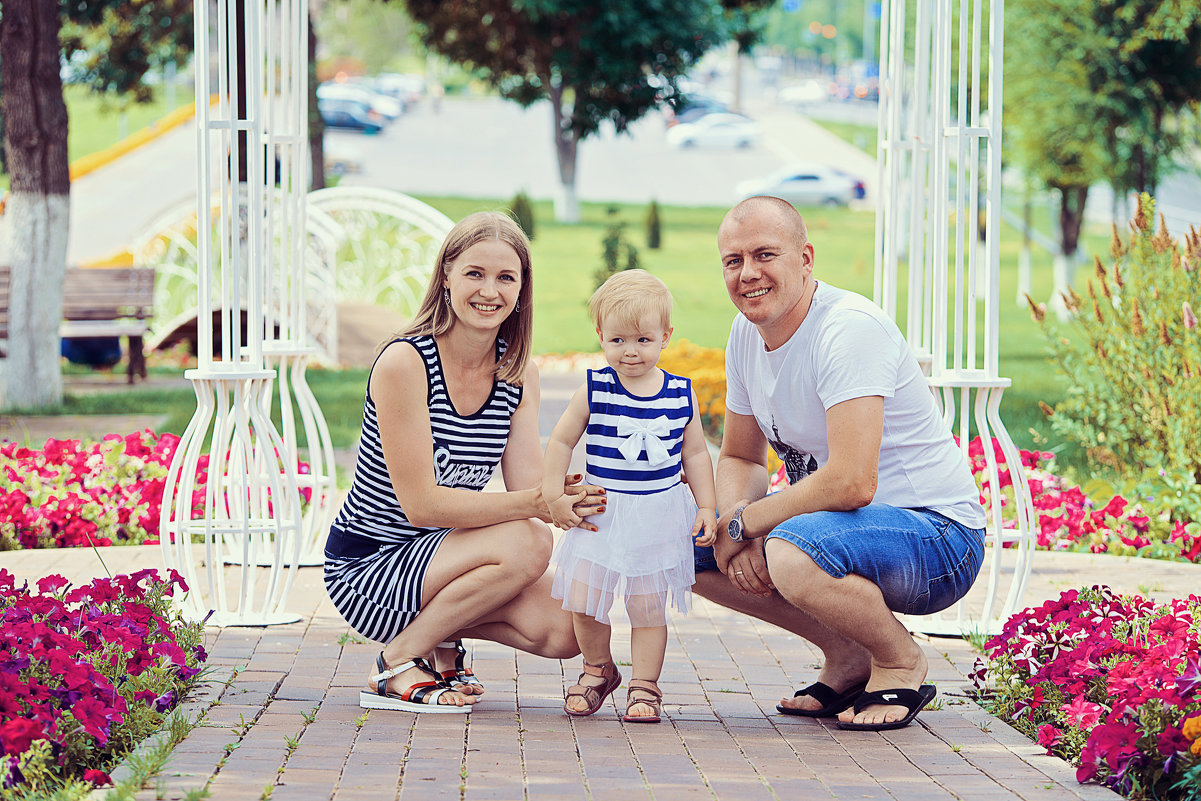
[
  {"x": 114, "y": 43},
  {"x": 595, "y": 62},
  {"x": 1093, "y": 90}
]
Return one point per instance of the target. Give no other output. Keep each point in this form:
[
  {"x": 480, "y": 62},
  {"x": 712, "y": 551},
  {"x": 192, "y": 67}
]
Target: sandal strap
[
  {"x": 460, "y": 653},
  {"x": 385, "y": 672},
  {"x": 654, "y": 691}
]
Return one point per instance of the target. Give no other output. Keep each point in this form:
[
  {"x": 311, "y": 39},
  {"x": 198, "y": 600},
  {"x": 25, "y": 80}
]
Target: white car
[
  {"x": 716, "y": 130},
  {"x": 805, "y": 185},
  {"x": 388, "y": 107}
]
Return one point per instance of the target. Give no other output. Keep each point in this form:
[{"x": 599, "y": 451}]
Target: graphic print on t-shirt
[
  {"x": 448, "y": 473},
  {"x": 797, "y": 464}
]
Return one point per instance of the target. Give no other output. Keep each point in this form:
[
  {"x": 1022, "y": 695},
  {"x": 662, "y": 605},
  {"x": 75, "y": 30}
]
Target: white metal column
[
  {"x": 940, "y": 156},
  {"x": 287, "y": 349},
  {"x": 249, "y": 508}
]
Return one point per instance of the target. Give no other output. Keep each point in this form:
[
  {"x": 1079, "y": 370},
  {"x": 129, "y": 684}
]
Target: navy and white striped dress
[
  {"x": 375, "y": 559},
  {"x": 643, "y": 550}
]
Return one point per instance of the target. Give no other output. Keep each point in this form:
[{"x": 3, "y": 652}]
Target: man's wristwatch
[{"x": 734, "y": 527}]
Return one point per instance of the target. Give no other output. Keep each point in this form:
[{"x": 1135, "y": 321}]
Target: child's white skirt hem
[{"x": 642, "y": 552}]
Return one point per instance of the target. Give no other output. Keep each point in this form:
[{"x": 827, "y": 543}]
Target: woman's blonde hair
[
  {"x": 435, "y": 317},
  {"x": 627, "y": 297}
]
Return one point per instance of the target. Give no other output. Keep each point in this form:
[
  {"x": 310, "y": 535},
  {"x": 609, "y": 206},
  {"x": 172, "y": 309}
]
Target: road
[{"x": 489, "y": 147}]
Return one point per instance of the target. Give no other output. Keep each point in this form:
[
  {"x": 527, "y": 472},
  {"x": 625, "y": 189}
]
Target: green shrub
[
  {"x": 523, "y": 211},
  {"x": 1133, "y": 355},
  {"x": 654, "y": 236},
  {"x": 618, "y": 252}
]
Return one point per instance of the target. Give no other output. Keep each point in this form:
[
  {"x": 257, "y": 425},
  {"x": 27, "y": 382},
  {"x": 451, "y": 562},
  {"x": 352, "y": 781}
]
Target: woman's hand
[{"x": 586, "y": 499}]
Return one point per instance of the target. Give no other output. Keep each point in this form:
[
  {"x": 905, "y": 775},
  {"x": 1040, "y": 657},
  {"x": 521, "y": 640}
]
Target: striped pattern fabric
[
  {"x": 608, "y": 401},
  {"x": 377, "y": 584}
]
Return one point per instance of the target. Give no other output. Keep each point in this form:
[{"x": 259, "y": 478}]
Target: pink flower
[
  {"x": 97, "y": 777},
  {"x": 1081, "y": 713},
  {"x": 1190, "y": 319},
  {"x": 1048, "y": 736}
]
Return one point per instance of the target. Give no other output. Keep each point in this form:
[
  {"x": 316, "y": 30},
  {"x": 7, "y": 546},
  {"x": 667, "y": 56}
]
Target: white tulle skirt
[{"x": 643, "y": 552}]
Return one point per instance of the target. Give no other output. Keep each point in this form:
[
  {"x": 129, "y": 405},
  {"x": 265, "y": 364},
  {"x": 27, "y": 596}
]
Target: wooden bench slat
[{"x": 99, "y": 301}]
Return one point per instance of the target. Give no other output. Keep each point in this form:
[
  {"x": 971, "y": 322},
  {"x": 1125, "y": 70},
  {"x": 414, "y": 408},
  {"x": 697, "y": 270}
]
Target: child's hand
[
  {"x": 704, "y": 530},
  {"x": 562, "y": 512}
]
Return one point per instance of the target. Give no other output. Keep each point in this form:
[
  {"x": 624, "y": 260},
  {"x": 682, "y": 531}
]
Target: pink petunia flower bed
[
  {"x": 1110, "y": 683},
  {"x": 72, "y": 494},
  {"x": 87, "y": 672}
]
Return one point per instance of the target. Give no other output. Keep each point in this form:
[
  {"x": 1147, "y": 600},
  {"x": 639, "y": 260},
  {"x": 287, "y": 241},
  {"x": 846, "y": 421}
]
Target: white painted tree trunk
[
  {"x": 37, "y": 250},
  {"x": 1064, "y": 269},
  {"x": 567, "y": 204},
  {"x": 1024, "y": 273}
]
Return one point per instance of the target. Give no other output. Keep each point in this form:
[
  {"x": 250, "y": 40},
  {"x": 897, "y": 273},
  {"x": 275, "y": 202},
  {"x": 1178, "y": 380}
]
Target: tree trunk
[
  {"x": 1071, "y": 219},
  {"x": 1024, "y": 256},
  {"x": 36, "y": 219},
  {"x": 316, "y": 125},
  {"x": 567, "y": 204}
]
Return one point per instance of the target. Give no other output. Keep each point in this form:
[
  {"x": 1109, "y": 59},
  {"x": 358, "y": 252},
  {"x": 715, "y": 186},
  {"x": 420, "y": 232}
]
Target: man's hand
[{"x": 747, "y": 570}]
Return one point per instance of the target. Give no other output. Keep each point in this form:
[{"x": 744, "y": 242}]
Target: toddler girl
[{"x": 642, "y": 423}]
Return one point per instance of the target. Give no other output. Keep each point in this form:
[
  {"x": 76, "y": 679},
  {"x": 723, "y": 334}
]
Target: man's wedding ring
[{"x": 737, "y": 572}]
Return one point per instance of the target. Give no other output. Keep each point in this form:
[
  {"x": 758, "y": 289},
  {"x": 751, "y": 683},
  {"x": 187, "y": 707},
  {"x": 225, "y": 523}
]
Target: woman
[{"x": 415, "y": 534}]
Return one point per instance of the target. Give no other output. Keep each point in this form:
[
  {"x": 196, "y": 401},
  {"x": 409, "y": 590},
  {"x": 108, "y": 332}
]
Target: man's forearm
[{"x": 739, "y": 480}]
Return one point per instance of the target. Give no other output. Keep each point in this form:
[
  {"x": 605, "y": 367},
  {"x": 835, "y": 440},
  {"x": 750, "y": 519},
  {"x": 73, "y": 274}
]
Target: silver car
[{"x": 806, "y": 185}]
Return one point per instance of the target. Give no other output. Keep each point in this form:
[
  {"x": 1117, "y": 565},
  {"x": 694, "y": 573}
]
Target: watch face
[{"x": 734, "y": 529}]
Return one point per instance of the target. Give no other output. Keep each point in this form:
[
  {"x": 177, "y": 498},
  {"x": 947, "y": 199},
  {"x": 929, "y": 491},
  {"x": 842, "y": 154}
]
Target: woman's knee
[{"x": 530, "y": 549}]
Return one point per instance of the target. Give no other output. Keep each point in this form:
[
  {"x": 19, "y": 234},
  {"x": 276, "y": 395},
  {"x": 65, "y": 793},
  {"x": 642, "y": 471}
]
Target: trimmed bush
[
  {"x": 654, "y": 236},
  {"x": 523, "y": 212},
  {"x": 617, "y": 250}
]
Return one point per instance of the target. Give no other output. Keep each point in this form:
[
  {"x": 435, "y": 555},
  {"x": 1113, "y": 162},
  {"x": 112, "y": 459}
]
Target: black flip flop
[
  {"x": 831, "y": 700},
  {"x": 913, "y": 700}
]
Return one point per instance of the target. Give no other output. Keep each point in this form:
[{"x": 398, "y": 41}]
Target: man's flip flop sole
[
  {"x": 831, "y": 700},
  {"x": 913, "y": 700}
]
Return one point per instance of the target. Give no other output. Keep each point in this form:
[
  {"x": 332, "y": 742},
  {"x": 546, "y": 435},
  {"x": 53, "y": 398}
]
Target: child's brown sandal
[
  {"x": 593, "y": 696},
  {"x": 648, "y": 695}
]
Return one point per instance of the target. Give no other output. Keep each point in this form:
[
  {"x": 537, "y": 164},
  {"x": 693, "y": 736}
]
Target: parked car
[
  {"x": 406, "y": 87},
  {"x": 389, "y": 108},
  {"x": 806, "y": 185},
  {"x": 693, "y": 108},
  {"x": 803, "y": 93},
  {"x": 353, "y": 114},
  {"x": 716, "y": 130}
]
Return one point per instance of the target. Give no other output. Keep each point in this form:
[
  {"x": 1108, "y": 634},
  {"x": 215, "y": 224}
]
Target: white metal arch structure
[
  {"x": 251, "y": 504},
  {"x": 389, "y": 244},
  {"x": 939, "y": 156},
  {"x": 169, "y": 245}
]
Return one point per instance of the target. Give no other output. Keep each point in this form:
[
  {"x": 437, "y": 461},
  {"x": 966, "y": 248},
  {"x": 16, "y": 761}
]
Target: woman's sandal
[
  {"x": 649, "y": 695},
  {"x": 421, "y": 697},
  {"x": 594, "y": 696},
  {"x": 459, "y": 675}
]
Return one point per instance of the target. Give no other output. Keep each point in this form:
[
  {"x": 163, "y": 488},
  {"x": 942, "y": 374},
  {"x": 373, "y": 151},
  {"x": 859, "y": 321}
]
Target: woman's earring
[
  {"x": 446, "y": 294},
  {"x": 517, "y": 306}
]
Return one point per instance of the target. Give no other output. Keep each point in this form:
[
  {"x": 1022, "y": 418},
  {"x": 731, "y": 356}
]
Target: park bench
[{"x": 100, "y": 302}]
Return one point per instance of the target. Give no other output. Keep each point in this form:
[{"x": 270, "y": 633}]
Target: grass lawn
[
  {"x": 94, "y": 122},
  {"x": 567, "y": 256}
]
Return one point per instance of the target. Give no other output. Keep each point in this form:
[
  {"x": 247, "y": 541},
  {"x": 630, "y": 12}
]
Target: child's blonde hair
[{"x": 627, "y": 297}]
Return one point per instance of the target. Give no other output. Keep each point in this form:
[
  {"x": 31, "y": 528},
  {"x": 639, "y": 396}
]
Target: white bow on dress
[{"x": 644, "y": 435}]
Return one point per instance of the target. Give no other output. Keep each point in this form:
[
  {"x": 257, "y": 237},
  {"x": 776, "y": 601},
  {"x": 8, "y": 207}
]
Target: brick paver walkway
[{"x": 721, "y": 737}]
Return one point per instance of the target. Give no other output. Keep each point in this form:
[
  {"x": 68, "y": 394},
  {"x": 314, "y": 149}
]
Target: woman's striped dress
[{"x": 375, "y": 559}]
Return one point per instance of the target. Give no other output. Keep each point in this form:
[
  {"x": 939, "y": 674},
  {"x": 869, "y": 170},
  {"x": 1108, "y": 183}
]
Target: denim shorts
[{"x": 921, "y": 561}]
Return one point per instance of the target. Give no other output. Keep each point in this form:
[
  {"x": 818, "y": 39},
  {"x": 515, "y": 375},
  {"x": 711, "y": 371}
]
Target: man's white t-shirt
[{"x": 846, "y": 348}]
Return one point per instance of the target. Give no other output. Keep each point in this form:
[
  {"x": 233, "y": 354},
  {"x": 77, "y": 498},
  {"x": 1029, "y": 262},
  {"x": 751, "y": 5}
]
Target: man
[{"x": 881, "y": 514}]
